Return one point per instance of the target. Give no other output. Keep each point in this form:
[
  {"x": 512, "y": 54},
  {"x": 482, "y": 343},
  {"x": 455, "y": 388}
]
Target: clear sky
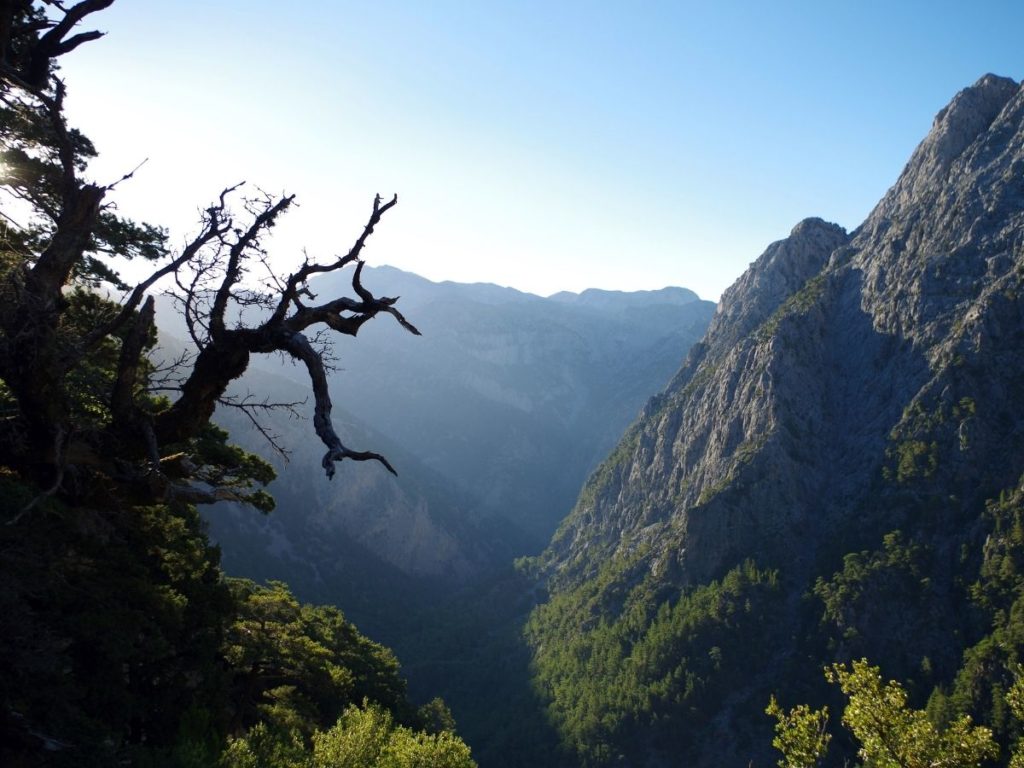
[{"x": 543, "y": 145}]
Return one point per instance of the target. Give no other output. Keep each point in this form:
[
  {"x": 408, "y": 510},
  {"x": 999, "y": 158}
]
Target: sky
[{"x": 541, "y": 145}]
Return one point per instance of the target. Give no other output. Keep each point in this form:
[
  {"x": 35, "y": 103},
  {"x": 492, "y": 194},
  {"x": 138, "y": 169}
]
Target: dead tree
[{"x": 50, "y": 335}]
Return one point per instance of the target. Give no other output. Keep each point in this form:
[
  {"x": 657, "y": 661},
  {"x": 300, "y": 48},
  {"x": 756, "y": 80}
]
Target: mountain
[
  {"x": 513, "y": 398},
  {"x": 493, "y": 419},
  {"x": 834, "y": 466}
]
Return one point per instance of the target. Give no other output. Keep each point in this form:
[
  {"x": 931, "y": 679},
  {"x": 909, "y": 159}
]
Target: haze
[{"x": 542, "y": 146}]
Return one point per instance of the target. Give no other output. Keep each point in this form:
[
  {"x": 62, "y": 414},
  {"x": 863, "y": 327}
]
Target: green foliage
[
  {"x": 297, "y": 666},
  {"x": 113, "y": 625},
  {"x": 1015, "y": 701},
  {"x": 369, "y": 738},
  {"x": 227, "y": 466},
  {"x": 923, "y": 432},
  {"x": 1000, "y": 580},
  {"x": 436, "y": 717},
  {"x": 892, "y": 735},
  {"x": 263, "y": 747},
  {"x": 123, "y": 638},
  {"x": 889, "y": 733},
  {"x": 875, "y": 606},
  {"x": 363, "y": 737},
  {"x": 915, "y": 458},
  {"x": 619, "y": 663},
  {"x": 892, "y": 574},
  {"x": 987, "y": 672},
  {"x": 800, "y": 734},
  {"x": 940, "y": 603}
]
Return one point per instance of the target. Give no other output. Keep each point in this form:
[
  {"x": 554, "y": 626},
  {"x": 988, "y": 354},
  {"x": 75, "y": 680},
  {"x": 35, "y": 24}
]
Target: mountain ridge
[
  {"x": 806, "y": 274},
  {"x": 848, "y": 386}
]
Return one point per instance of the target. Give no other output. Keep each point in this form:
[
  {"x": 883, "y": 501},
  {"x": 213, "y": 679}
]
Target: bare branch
[
  {"x": 357, "y": 283},
  {"x": 73, "y": 42},
  {"x": 299, "y": 347},
  {"x": 390, "y": 309},
  {"x": 250, "y": 403},
  {"x": 298, "y": 279},
  {"x": 168, "y": 370},
  {"x": 52, "y": 44},
  {"x": 263, "y": 221},
  {"x": 187, "y": 299},
  {"x": 330, "y": 313},
  {"x": 214, "y": 227},
  {"x": 250, "y": 408},
  {"x": 131, "y": 174}
]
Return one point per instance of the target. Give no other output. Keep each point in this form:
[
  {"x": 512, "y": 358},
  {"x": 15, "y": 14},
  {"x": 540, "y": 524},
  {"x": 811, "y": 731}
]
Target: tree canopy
[
  {"x": 79, "y": 393},
  {"x": 124, "y": 643}
]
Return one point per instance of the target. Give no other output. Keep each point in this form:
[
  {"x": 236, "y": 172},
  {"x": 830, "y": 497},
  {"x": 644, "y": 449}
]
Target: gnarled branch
[
  {"x": 299, "y": 347},
  {"x": 224, "y": 356},
  {"x": 296, "y": 282},
  {"x": 53, "y": 43},
  {"x": 250, "y": 238},
  {"x": 214, "y": 226}
]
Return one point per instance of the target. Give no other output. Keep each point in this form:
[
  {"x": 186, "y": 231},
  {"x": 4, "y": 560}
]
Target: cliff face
[
  {"x": 847, "y": 385},
  {"x": 784, "y": 416}
]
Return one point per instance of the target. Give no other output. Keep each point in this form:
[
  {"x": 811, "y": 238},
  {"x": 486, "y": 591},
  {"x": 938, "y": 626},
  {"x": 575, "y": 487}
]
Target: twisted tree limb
[
  {"x": 298, "y": 346},
  {"x": 225, "y": 352}
]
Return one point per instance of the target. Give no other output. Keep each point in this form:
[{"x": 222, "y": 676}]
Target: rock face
[
  {"x": 817, "y": 350},
  {"x": 848, "y": 385}
]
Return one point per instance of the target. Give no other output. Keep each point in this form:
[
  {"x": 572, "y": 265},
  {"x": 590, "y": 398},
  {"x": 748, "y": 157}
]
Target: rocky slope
[{"x": 848, "y": 385}]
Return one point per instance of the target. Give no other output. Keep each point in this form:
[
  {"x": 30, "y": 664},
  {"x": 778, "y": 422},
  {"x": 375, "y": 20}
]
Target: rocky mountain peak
[
  {"x": 780, "y": 271},
  {"x": 814, "y": 357},
  {"x": 955, "y": 128},
  {"x": 851, "y": 393},
  {"x": 953, "y": 221}
]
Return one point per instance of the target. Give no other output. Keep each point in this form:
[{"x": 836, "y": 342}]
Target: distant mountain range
[{"x": 493, "y": 419}]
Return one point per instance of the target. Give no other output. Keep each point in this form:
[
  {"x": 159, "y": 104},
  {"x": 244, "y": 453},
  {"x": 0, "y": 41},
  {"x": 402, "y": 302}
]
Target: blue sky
[{"x": 542, "y": 145}]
